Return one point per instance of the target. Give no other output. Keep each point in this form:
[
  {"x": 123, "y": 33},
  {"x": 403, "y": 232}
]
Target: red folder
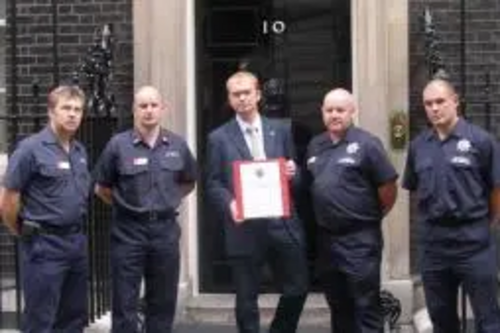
[{"x": 240, "y": 192}]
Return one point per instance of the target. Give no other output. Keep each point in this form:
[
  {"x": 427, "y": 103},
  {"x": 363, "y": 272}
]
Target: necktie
[{"x": 255, "y": 146}]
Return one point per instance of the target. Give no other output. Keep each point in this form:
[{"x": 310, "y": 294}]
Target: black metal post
[
  {"x": 463, "y": 49},
  {"x": 36, "y": 106},
  {"x": 17, "y": 259},
  {"x": 96, "y": 71},
  {"x": 55, "y": 42},
  {"x": 435, "y": 65},
  {"x": 13, "y": 137},
  {"x": 99, "y": 268},
  {"x": 13, "y": 70},
  {"x": 487, "y": 100},
  {"x": 91, "y": 254},
  {"x": 463, "y": 84}
]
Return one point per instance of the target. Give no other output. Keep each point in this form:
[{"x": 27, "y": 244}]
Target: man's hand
[
  {"x": 387, "y": 194},
  {"x": 234, "y": 212},
  {"x": 104, "y": 193},
  {"x": 495, "y": 207},
  {"x": 187, "y": 188},
  {"x": 291, "y": 169},
  {"x": 10, "y": 204}
]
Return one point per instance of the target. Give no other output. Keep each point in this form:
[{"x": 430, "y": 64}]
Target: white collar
[{"x": 256, "y": 124}]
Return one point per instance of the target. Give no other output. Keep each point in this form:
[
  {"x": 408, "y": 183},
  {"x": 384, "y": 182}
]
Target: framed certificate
[{"x": 261, "y": 189}]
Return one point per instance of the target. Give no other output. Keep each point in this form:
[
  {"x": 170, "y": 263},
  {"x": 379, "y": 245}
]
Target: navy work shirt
[
  {"x": 146, "y": 179},
  {"x": 453, "y": 179},
  {"x": 54, "y": 184},
  {"x": 346, "y": 177}
]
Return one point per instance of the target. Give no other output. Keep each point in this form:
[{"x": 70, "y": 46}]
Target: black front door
[{"x": 299, "y": 49}]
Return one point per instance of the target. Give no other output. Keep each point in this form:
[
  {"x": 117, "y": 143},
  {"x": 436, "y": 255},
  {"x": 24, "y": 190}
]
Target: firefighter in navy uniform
[
  {"x": 353, "y": 187},
  {"x": 454, "y": 167},
  {"x": 144, "y": 173},
  {"x": 46, "y": 189}
]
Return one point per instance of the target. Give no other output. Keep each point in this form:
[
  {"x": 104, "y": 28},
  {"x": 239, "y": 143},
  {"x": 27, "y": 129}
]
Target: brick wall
[
  {"x": 482, "y": 55},
  {"x": 78, "y": 21}
]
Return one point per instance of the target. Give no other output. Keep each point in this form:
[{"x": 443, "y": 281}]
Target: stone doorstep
[
  {"x": 219, "y": 308},
  {"x": 403, "y": 290},
  {"x": 101, "y": 325}
]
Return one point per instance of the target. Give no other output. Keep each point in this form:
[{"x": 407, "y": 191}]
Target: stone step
[
  {"x": 216, "y": 311},
  {"x": 219, "y": 308}
]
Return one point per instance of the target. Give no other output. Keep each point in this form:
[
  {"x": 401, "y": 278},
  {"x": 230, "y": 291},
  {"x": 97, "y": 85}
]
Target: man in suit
[{"x": 250, "y": 243}]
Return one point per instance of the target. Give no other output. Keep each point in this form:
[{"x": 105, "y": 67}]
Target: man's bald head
[
  {"x": 338, "y": 110},
  {"x": 441, "y": 104},
  {"x": 441, "y": 84},
  {"x": 340, "y": 95},
  {"x": 147, "y": 92},
  {"x": 148, "y": 108}
]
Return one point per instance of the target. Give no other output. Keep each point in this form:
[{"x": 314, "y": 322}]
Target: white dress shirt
[{"x": 256, "y": 128}]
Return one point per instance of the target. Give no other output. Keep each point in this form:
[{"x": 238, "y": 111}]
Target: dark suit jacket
[{"x": 226, "y": 144}]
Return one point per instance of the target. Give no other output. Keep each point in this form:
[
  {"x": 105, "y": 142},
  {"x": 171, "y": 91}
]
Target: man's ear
[
  {"x": 50, "y": 112},
  {"x": 259, "y": 95}
]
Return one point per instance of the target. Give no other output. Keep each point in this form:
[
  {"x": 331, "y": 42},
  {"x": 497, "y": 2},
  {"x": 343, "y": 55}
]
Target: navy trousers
[
  {"x": 477, "y": 273},
  {"x": 354, "y": 301},
  {"x": 149, "y": 250},
  {"x": 287, "y": 260},
  {"x": 55, "y": 278},
  {"x": 349, "y": 271}
]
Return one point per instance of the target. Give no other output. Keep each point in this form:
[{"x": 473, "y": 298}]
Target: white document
[{"x": 262, "y": 191}]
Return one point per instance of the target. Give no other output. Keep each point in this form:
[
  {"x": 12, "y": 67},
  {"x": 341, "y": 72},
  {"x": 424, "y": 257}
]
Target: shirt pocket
[
  {"x": 134, "y": 181},
  {"x": 426, "y": 180},
  {"x": 85, "y": 182},
  {"x": 171, "y": 168},
  {"x": 323, "y": 170},
  {"x": 349, "y": 174},
  {"x": 54, "y": 181},
  {"x": 464, "y": 180}
]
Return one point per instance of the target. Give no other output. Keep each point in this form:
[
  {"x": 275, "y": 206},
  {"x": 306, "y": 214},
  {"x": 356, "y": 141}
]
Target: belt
[
  {"x": 346, "y": 230},
  {"x": 452, "y": 221},
  {"x": 59, "y": 231},
  {"x": 151, "y": 215}
]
